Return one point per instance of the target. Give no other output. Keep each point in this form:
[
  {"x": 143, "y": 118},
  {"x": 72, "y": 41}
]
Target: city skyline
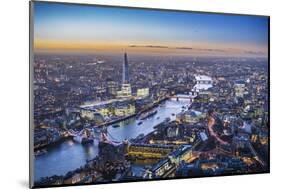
[
  {"x": 87, "y": 29},
  {"x": 123, "y": 95}
]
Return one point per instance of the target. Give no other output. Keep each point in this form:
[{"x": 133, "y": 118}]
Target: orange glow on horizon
[{"x": 43, "y": 45}]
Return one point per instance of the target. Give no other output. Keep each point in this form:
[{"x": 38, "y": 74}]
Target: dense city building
[{"x": 158, "y": 119}]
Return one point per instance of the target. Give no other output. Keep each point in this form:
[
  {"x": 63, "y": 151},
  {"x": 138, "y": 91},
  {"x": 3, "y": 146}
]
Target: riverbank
[
  {"x": 63, "y": 138},
  {"x": 52, "y": 144},
  {"x": 134, "y": 115},
  {"x": 153, "y": 106},
  {"x": 59, "y": 160}
]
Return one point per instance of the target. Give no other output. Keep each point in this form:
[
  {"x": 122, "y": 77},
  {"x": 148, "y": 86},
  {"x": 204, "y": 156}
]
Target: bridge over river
[{"x": 70, "y": 155}]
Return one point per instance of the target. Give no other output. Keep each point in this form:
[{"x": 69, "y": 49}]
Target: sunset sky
[{"x": 90, "y": 29}]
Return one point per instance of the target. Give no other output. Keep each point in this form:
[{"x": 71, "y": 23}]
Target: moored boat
[
  {"x": 148, "y": 114},
  {"x": 40, "y": 152},
  {"x": 115, "y": 126}
]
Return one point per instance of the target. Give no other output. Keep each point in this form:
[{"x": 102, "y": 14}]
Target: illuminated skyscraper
[
  {"x": 125, "y": 75},
  {"x": 126, "y": 90}
]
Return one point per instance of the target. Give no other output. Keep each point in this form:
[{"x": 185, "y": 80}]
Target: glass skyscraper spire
[{"x": 125, "y": 75}]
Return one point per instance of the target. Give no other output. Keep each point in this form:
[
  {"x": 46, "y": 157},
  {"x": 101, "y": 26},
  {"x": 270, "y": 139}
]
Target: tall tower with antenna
[
  {"x": 125, "y": 75},
  {"x": 126, "y": 90}
]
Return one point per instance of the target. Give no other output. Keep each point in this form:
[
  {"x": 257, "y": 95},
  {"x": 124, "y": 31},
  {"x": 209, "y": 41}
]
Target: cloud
[
  {"x": 254, "y": 52},
  {"x": 179, "y": 48},
  {"x": 149, "y": 46},
  {"x": 184, "y": 48},
  {"x": 214, "y": 50}
]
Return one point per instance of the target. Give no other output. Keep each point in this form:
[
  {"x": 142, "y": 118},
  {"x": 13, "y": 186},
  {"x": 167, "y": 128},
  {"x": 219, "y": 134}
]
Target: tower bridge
[{"x": 84, "y": 136}]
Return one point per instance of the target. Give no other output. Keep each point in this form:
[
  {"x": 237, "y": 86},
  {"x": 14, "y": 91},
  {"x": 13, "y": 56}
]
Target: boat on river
[
  {"x": 140, "y": 136},
  {"x": 148, "y": 114},
  {"x": 40, "y": 152},
  {"x": 115, "y": 126}
]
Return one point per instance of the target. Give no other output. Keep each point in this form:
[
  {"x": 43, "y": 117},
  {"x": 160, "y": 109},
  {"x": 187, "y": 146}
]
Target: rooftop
[{"x": 203, "y": 77}]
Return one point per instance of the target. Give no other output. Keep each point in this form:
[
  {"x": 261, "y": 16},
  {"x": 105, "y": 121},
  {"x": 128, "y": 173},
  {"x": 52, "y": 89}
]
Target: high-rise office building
[
  {"x": 125, "y": 75},
  {"x": 126, "y": 90}
]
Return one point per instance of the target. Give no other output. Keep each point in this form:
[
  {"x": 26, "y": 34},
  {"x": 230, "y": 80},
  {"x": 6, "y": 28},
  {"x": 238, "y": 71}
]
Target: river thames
[{"x": 70, "y": 155}]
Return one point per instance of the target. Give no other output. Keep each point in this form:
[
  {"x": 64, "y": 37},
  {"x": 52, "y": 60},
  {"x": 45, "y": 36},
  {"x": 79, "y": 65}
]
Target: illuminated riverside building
[
  {"x": 87, "y": 114},
  {"x": 107, "y": 109},
  {"x": 125, "y": 110},
  {"x": 122, "y": 109},
  {"x": 144, "y": 92},
  {"x": 125, "y": 92},
  {"x": 91, "y": 112},
  {"x": 189, "y": 117},
  {"x": 148, "y": 151}
]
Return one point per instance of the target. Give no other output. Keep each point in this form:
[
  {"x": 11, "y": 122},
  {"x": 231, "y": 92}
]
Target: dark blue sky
[{"x": 121, "y": 26}]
